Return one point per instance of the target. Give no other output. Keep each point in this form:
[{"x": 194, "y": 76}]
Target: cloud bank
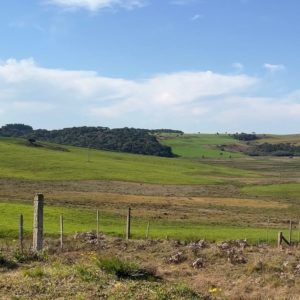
[
  {"x": 94, "y": 5},
  {"x": 274, "y": 68},
  {"x": 192, "y": 101}
]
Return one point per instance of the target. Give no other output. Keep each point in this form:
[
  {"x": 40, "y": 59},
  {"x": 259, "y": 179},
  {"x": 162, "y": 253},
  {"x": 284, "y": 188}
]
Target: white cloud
[
  {"x": 185, "y": 2},
  {"x": 197, "y": 17},
  {"x": 238, "y": 66},
  {"x": 192, "y": 101},
  {"x": 273, "y": 68},
  {"x": 94, "y": 5}
]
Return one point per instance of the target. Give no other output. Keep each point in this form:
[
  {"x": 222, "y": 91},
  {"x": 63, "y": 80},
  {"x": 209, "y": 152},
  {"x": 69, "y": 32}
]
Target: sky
[{"x": 194, "y": 65}]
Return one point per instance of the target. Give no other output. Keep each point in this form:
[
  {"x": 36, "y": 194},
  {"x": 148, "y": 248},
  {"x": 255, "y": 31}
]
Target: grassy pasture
[
  {"x": 22, "y": 162},
  {"x": 83, "y": 220},
  {"x": 184, "y": 198},
  {"x": 198, "y": 145},
  {"x": 274, "y": 139},
  {"x": 283, "y": 191}
]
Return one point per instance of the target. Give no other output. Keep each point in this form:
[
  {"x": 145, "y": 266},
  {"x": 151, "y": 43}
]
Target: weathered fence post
[
  {"x": 38, "y": 222},
  {"x": 128, "y": 224},
  {"x": 61, "y": 231},
  {"x": 268, "y": 225},
  {"x": 21, "y": 231},
  {"x": 97, "y": 232},
  {"x": 147, "y": 231},
  {"x": 279, "y": 239},
  {"x": 299, "y": 232},
  {"x": 290, "y": 232}
]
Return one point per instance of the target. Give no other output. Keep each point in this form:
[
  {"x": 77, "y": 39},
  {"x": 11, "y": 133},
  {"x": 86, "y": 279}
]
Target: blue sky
[{"x": 195, "y": 65}]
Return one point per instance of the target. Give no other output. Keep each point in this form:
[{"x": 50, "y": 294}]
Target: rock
[
  {"x": 259, "y": 266},
  {"x": 177, "y": 258},
  {"x": 198, "y": 263},
  {"x": 236, "y": 257},
  {"x": 87, "y": 237},
  {"x": 198, "y": 245},
  {"x": 241, "y": 244}
]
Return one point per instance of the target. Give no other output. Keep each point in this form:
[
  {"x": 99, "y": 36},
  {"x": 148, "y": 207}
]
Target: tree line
[
  {"x": 281, "y": 149},
  {"x": 130, "y": 140}
]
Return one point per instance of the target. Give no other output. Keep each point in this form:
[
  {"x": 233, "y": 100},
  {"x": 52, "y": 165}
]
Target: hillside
[
  {"x": 231, "y": 146},
  {"x": 18, "y": 159}
]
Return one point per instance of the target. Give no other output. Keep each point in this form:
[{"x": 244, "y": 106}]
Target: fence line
[{"x": 139, "y": 226}]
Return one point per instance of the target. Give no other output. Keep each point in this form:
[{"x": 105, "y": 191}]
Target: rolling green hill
[
  {"x": 20, "y": 161},
  {"x": 199, "y": 145}
]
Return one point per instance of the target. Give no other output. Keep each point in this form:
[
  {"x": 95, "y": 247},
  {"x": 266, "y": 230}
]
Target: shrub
[{"x": 23, "y": 257}]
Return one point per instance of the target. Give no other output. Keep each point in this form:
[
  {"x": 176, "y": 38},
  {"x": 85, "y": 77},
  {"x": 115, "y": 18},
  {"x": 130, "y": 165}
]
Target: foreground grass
[
  {"x": 151, "y": 270},
  {"x": 22, "y": 162},
  {"x": 83, "y": 220}
]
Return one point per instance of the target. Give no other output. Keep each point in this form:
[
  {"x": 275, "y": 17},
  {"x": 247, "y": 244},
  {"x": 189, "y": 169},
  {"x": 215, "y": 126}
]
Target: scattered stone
[
  {"x": 242, "y": 244},
  {"x": 259, "y": 266},
  {"x": 88, "y": 237},
  {"x": 297, "y": 268},
  {"x": 198, "y": 263},
  {"x": 236, "y": 257},
  {"x": 198, "y": 245},
  {"x": 178, "y": 258}
]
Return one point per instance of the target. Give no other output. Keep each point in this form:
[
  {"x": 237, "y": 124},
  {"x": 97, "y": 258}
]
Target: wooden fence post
[
  {"x": 38, "y": 222},
  {"x": 279, "y": 241},
  {"x": 147, "y": 231},
  {"x": 268, "y": 225},
  {"x": 290, "y": 232},
  {"x": 61, "y": 231},
  {"x": 128, "y": 224},
  {"x": 299, "y": 232},
  {"x": 97, "y": 226},
  {"x": 21, "y": 231}
]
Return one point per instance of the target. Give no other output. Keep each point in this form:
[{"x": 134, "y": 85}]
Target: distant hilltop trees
[
  {"x": 245, "y": 136},
  {"x": 282, "y": 149},
  {"x": 131, "y": 140}
]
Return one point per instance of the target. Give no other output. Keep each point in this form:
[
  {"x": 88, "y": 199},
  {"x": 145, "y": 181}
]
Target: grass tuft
[{"x": 124, "y": 269}]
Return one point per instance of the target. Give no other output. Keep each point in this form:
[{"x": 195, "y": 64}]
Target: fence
[{"x": 52, "y": 222}]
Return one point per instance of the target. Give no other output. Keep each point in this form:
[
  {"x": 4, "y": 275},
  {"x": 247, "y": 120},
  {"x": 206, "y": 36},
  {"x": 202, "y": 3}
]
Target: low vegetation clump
[
  {"x": 29, "y": 256},
  {"x": 6, "y": 263},
  {"x": 125, "y": 269}
]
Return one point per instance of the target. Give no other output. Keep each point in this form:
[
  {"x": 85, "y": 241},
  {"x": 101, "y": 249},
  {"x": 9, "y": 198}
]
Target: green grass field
[
  {"x": 84, "y": 220},
  {"x": 199, "y": 145},
  {"x": 216, "y": 178},
  {"x": 22, "y": 162},
  {"x": 282, "y": 191}
]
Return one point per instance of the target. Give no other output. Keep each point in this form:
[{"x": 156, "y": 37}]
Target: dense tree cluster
[
  {"x": 129, "y": 140},
  {"x": 282, "y": 149},
  {"x": 245, "y": 136},
  {"x": 166, "y": 131},
  {"x": 16, "y": 130}
]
